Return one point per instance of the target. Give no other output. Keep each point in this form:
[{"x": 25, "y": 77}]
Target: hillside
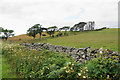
[
  {"x": 25, "y": 37},
  {"x": 107, "y": 39},
  {"x": 51, "y": 61}
]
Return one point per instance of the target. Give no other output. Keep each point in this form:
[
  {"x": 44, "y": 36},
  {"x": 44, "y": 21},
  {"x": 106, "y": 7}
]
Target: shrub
[
  {"x": 43, "y": 64},
  {"x": 31, "y": 63},
  {"x": 105, "y": 68}
]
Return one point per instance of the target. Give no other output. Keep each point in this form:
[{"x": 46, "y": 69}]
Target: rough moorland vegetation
[{"x": 41, "y": 63}]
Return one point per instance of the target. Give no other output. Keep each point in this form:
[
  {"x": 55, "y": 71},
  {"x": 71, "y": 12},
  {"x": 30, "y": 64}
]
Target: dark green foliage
[
  {"x": 7, "y": 33},
  {"x": 35, "y": 30},
  {"x": 103, "y": 68},
  {"x": 51, "y": 30},
  {"x": 65, "y": 28},
  {"x": 46, "y": 64},
  {"x": 72, "y": 28}
]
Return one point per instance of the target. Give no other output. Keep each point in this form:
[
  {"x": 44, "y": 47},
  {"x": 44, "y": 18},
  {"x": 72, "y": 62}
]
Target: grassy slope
[
  {"x": 26, "y": 37},
  {"x": 107, "y": 39}
]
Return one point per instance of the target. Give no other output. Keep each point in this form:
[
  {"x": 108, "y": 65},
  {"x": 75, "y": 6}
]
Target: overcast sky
[{"x": 19, "y": 15}]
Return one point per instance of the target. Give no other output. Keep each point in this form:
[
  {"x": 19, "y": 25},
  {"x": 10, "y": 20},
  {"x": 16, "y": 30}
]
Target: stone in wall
[{"x": 80, "y": 54}]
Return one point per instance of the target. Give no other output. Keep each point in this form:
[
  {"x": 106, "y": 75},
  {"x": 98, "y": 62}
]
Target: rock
[
  {"x": 94, "y": 51},
  {"x": 81, "y": 54},
  {"x": 86, "y": 49},
  {"x": 101, "y": 50}
]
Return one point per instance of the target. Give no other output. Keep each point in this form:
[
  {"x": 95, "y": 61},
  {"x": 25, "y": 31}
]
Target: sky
[{"x": 20, "y": 15}]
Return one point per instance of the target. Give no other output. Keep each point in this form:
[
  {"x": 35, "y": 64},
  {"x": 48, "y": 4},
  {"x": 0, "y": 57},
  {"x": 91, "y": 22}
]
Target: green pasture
[{"x": 108, "y": 39}]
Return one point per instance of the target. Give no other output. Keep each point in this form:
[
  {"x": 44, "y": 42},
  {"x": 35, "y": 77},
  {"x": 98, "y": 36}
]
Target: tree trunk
[
  {"x": 6, "y": 38},
  {"x": 40, "y": 34}
]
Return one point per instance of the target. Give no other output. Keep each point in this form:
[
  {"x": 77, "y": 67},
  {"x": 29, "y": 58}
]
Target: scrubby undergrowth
[{"x": 46, "y": 64}]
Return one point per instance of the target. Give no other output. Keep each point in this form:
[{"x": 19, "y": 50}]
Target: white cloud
[{"x": 19, "y": 15}]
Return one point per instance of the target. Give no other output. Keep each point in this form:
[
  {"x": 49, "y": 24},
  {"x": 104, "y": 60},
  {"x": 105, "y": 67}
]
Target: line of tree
[
  {"x": 5, "y": 33},
  {"x": 34, "y": 30}
]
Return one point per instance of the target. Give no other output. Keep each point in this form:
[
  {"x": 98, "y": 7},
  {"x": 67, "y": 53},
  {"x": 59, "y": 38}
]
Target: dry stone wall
[{"x": 80, "y": 54}]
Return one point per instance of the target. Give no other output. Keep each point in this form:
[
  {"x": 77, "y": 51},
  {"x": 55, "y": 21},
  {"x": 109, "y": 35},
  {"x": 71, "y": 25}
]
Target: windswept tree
[
  {"x": 40, "y": 29},
  {"x": 79, "y": 26},
  {"x": 33, "y": 31},
  {"x": 7, "y": 33},
  {"x": 72, "y": 28},
  {"x": 65, "y": 28},
  {"x": 51, "y": 30}
]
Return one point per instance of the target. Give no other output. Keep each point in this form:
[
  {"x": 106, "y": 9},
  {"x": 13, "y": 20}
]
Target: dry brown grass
[{"x": 26, "y": 37}]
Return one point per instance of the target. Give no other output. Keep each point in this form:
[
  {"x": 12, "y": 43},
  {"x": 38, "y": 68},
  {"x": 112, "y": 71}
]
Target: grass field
[
  {"x": 46, "y": 64},
  {"x": 108, "y": 39}
]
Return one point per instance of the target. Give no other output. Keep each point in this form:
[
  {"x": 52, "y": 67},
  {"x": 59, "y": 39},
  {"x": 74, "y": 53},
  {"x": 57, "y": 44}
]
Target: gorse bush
[{"x": 46, "y": 64}]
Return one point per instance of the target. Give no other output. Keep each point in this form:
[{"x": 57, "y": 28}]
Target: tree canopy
[
  {"x": 6, "y": 33},
  {"x": 51, "y": 30},
  {"x": 35, "y": 30}
]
